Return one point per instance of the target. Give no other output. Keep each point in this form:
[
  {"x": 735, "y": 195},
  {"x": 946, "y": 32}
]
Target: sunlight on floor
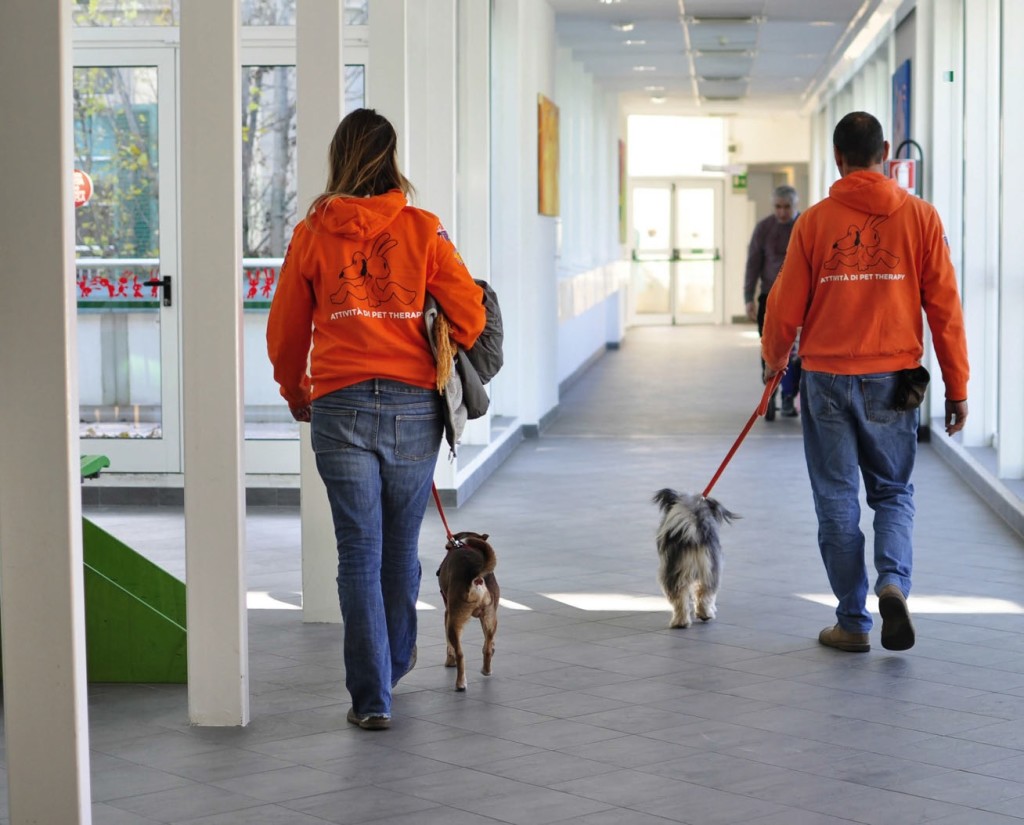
[
  {"x": 948, "y": 605},
  {"x": 263, "y": 600},
  {"x": 614, "y": 602}
]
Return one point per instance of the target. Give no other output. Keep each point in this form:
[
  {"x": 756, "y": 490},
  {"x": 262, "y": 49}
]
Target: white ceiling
[{"x": 714, "y": 56}]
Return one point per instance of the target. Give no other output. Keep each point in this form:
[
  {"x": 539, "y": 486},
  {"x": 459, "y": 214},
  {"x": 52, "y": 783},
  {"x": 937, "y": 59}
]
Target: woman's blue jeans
[
  {"x": 376, "y": 444},
  {"x": 851, "y": 428}
]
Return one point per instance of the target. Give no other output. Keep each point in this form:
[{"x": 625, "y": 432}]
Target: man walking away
[{"x": 861, "y": 266}]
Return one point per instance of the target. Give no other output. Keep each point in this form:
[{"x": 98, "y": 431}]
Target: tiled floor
[{"x": 597, "y": 713}]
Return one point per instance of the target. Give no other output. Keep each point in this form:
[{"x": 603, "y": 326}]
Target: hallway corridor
[{"x": 597, "y": 713}]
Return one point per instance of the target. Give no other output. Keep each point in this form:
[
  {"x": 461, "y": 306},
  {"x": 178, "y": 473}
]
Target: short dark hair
[{"x": 858, "y": 137}]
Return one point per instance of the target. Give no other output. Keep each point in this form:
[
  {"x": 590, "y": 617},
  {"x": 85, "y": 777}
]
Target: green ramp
[
  {"x": 134, "y": 614},
  {"x": 134, "y": 610}
]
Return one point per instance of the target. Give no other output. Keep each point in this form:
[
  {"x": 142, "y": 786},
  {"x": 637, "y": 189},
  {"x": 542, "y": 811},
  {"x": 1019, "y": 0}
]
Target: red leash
[
  {"x": 440, "y": 512},
  {"x": 762, "y": 408}
]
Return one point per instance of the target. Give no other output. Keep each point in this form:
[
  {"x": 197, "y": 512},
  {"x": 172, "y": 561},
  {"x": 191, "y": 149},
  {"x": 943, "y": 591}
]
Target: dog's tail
[
  {"x": 483, "y": 551},
  {"x": 665, "y": 498}
]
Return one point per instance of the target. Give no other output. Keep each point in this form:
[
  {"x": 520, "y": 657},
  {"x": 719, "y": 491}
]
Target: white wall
[
  {"x": 559, "y": 278},
  {"x": 776, "y": 139}
]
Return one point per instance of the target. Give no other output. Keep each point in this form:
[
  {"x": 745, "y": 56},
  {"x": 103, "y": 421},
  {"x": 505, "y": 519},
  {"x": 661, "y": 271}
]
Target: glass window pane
[
  {"x": 117, "y": 237},
  {"x": 282, "y": 12},
  {"x": 270, "y": 210},
  {"x": 651, "y": 215},
  {"x": 695, "y": 218},
  {"x": 650, "y": 282},
  {"x": 125, "y": 13}
]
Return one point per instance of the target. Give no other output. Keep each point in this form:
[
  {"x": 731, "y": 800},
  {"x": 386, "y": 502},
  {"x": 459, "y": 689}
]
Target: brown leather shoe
[
  {"x": 897, "y": 629},
  {"x": 841, "y": 639}
]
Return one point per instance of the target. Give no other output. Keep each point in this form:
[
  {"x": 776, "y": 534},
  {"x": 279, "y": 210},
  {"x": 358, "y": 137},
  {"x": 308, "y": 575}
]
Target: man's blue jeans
[
  {"x": 851, "y": 427},
  {"x": 376, "y": 444}
]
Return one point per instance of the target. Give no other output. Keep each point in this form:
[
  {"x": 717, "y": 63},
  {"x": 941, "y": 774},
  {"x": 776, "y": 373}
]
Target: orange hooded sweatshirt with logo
[
  {"x": 355, "y": 277},
  {"x": 860, "y": 267}
]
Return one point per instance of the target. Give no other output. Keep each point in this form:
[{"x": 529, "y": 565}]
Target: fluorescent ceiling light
[
  {"x": 634, "y": 42},
  {"x": 645, "y": 68},
  {"x": 623, "y": 27}
]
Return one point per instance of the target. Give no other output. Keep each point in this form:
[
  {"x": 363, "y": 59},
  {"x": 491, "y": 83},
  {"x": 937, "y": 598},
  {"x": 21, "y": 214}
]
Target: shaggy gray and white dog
[{"x": 690, "y": 554}]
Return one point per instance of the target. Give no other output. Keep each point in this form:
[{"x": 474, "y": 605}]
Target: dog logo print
[
  {"x": 861, "y": 248},
  {"x": 368, "y": 277}
]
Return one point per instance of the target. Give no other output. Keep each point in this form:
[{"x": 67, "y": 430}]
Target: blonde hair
[{"x": 362, "y": 160}]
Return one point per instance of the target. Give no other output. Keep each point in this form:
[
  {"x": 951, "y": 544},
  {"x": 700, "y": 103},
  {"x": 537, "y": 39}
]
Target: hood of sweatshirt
[
  {"x": 869, "y": 192},
  {"x": 361, "y": 218}
]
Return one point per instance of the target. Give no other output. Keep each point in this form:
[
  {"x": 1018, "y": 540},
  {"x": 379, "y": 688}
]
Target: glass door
[
  {"x": 676, "y": 255},
  {"x": 270, "y": 210},
  {"x": 126, "y": 263}
]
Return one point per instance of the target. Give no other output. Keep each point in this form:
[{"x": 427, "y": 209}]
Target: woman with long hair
[{"x": 353, "y": 282}]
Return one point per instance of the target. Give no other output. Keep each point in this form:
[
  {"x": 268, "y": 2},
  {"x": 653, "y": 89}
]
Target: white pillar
[
  {"x": 981, "y": 215},
  {"x": 44, "y": 686},
  {"x": 1011, "y": 253},
  {"x": 212, "y": 346},
  {"x": 431, "y": 90},
  {"x": 432, "y": 131},
  {"x": 386, "y": 75},
  {"x": 473, "y": 198},
  {"x": 320, "y": 103}
]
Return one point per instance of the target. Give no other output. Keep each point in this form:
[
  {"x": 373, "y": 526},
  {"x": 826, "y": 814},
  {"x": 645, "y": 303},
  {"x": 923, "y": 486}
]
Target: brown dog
[{"x": 468, "y": 588}]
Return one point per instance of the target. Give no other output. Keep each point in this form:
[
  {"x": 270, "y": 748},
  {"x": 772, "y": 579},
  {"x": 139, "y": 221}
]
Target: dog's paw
[
  {"x": 706, "y": 615},
  {"x": 683, "y": 623}
]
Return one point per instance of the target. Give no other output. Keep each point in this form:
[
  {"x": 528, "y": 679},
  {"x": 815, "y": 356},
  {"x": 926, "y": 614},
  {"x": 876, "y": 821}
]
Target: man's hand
[
  {"x": 752, "y": 310},
  {"x": 304, "y": 414},
  {"x": 956, "y": 416},
  {"x": 768, "y": 374}
]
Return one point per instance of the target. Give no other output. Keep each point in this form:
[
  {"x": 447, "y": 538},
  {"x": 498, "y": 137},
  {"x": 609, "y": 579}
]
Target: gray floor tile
[{"x": 597, "y": 713}]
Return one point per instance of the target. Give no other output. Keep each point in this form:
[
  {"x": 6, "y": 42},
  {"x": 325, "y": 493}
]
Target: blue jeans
[
  {"x": 850, "y": 426},
  {"x": 376, "y": 444}
]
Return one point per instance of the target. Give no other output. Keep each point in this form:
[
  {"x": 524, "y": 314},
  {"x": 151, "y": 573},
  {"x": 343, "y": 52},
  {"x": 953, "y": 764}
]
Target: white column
[
  {"x": 320, "y": 103},
  {"x": 212, "y": 346},
  {"x": 44, "y": 678},
  {"x": 386, "y": 74},
  {"x": 473, "y": 164},
  {"x": 431, "y": 130},
  {"x": 514, "y": 183},
  {"x": 430, "y": 93},
  {"x": 981, "y": 215},
  {"x": 1011, "y": 253}
]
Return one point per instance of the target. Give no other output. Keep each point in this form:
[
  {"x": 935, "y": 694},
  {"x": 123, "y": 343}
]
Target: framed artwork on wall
[
  {"x": 547, "y": 156},
  {"x": 900, "y": 106}
]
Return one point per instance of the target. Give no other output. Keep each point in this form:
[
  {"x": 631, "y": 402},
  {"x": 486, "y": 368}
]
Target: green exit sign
[{"x": 739, "y": 182}]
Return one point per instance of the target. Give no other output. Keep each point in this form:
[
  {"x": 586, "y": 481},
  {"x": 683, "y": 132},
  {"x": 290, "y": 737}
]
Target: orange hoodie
[
  {"x": 860, "y": 267},
  {"x": 358, "y": 278}
]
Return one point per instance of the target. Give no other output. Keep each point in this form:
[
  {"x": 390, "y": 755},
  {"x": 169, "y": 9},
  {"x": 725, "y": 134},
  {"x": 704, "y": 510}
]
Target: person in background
[
  {"x": 353, "y": 282},
  {"x": 862, "y": 265},
  {"x": 765, "y": 254}
]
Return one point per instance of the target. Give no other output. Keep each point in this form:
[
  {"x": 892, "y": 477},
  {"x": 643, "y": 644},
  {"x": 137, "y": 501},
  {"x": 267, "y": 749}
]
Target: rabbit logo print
[
  {"x": 861, "y": 248},
  {"x": 368, "y": 277}
]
